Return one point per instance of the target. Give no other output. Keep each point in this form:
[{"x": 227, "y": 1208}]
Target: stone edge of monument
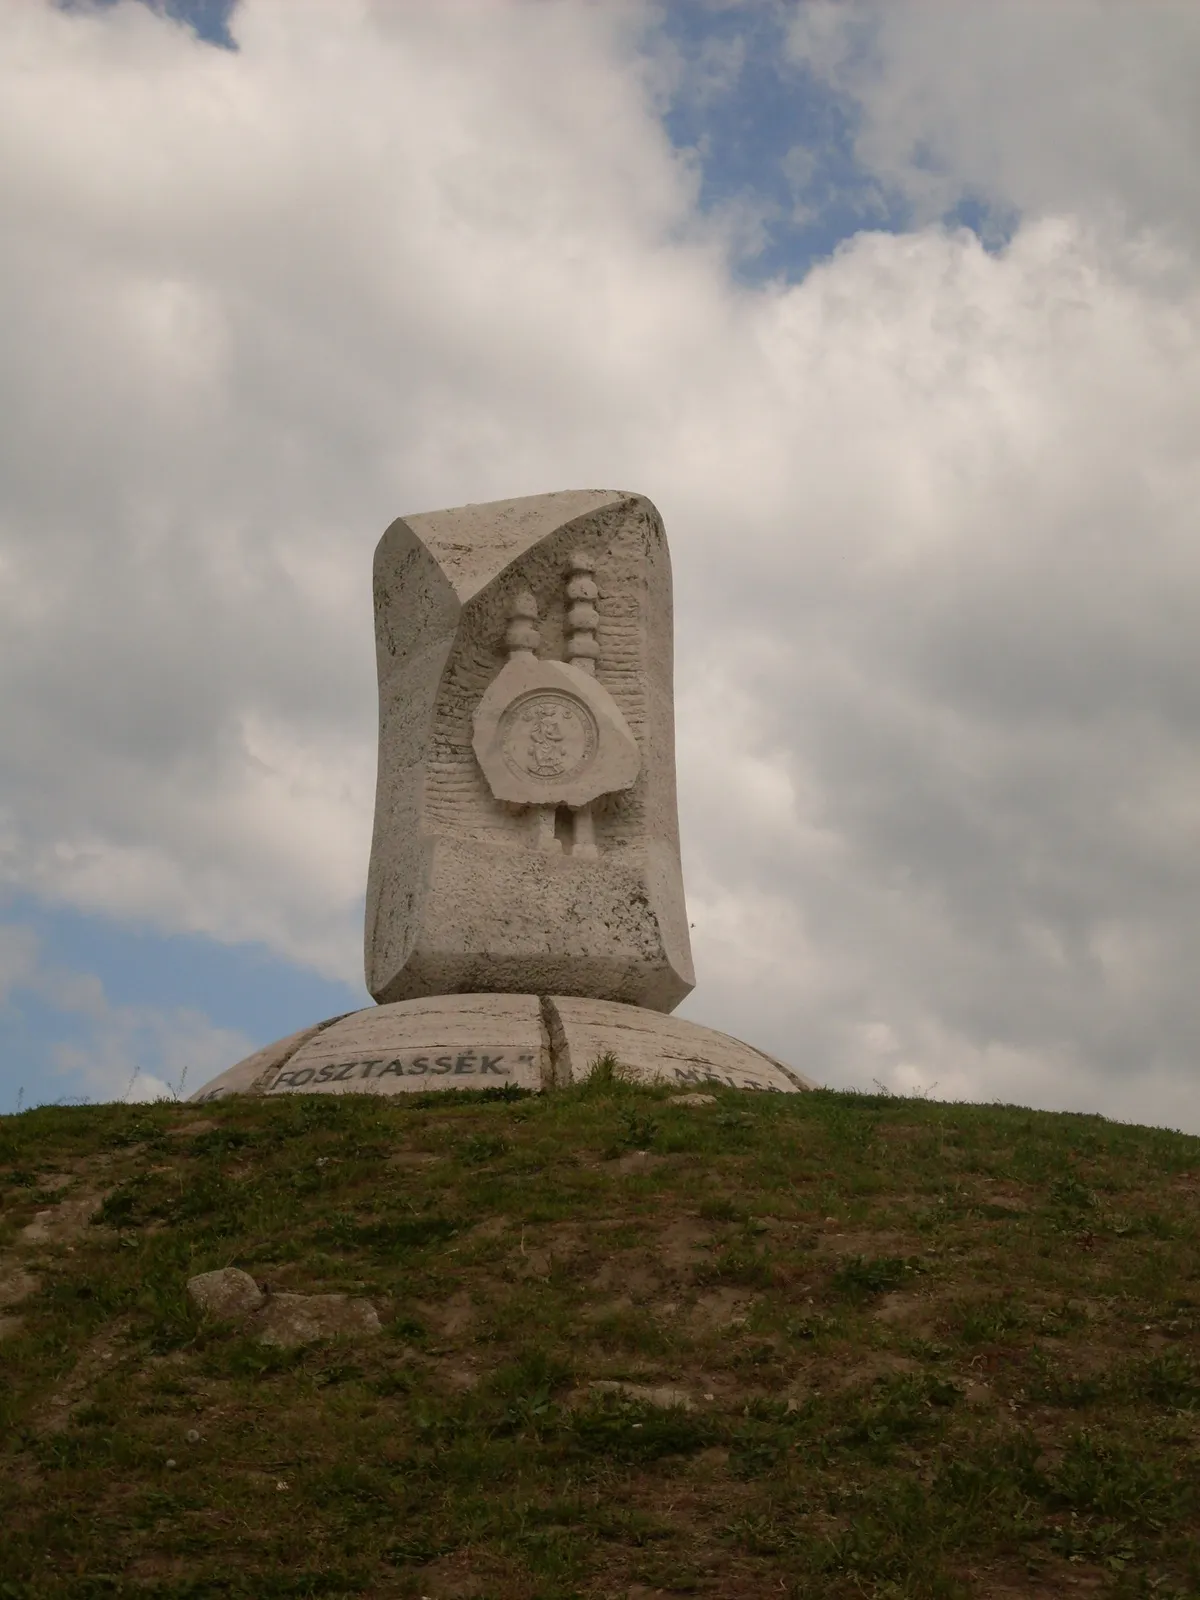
[
  {"x": 655, "y": 1047},
  {"x": 249, "y": 1075},
  {"x": 448, "y": 1042},
  {"x": 444, "y": 583}
]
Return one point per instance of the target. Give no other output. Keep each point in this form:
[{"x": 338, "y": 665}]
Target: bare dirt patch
[
  {"x": 716, "y": 1309},
  {"x": 17, "y": 1283},
  {"x": 452, "y": 1317},
  {"x": 636, "y": 1277},
  {"x": 683, "y": 1244},
  {"x": 862, "y": 1243},
  {"x": 916, "y": 1312},
  {"x": 638, "y": 1161},
  {"x": 97, "y": 1359},
  {"x": 63, "y": 1222}
]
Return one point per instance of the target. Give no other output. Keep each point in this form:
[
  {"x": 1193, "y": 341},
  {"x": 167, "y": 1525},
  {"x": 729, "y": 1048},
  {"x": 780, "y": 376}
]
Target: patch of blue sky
[
  {"x": 775, "y": 145},
  {"x": 29, "y": 1072},
  {"x": 208, "y": 19},
  {"x": 995, "y": 225},
  {"x": 97, "y": 996},
  {"x": 48, "y": 1044}
]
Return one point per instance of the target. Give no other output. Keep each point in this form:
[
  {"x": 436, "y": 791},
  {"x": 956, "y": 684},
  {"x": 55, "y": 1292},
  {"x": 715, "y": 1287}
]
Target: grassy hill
[{"x": 852, "y": 1345}]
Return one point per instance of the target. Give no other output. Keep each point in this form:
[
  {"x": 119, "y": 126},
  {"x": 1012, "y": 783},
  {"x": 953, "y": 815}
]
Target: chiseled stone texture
[
  {"x": 657, "y": 1049},
  {"x": 478, "y": 1041},
  {"x": 460, "y": 1041},
  {"x": 460, "y": 898}
]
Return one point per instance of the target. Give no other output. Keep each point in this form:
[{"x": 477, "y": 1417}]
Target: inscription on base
[{"x": 488, "y": 1065}]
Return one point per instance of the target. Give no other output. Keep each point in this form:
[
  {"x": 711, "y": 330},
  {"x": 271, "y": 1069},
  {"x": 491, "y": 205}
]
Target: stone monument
[{"x": 525, "y": 908}]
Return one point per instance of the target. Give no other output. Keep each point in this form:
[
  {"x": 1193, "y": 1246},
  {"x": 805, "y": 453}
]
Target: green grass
[{"x": 930, "y": 1351}]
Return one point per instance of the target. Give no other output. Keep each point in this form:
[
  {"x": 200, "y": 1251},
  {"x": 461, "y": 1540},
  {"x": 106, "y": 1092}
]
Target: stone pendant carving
[
  {"x": 526, "y": 838},
  {"x": 547, "y": 733}
]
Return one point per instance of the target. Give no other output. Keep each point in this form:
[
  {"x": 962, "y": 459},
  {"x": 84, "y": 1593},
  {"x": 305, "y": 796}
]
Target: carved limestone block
[{"x": 526, "y": 836}]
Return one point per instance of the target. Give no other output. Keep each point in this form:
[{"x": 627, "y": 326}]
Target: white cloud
[
  {"x": 1082, "y": 106},
  {"x": 96, "y": 1049},
  {"x": 138, "y": 1052},
  {"x": 932, "y": 512},
  {"x": 18, "y": 959}
]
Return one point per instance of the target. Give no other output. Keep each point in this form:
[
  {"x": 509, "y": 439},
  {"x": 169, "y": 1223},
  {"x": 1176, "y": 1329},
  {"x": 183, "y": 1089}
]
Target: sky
[{"x": 892, "y": 307}]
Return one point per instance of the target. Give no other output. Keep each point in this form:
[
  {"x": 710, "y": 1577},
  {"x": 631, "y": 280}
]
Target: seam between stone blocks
[
  {"x": 266, "y": 1079},
  {"x": 554, "y": 1037}
]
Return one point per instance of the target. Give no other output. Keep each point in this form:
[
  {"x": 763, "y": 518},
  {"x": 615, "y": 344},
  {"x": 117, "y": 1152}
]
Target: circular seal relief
[{"x": 548, "y": 736}]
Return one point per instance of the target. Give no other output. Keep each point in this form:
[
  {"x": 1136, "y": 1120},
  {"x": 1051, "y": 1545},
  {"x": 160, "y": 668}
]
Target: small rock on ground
[
  {"x": 639, "y": 1161},
  {"x": 280, "y": 1319},
  {"x": 15, "y": 1283},
  {"x": 228, "y": 1292},
  {"x": 693, "y": 1099},
  {"x": 649, "y": 1394},
  {"x": 295, "y": 1319}
]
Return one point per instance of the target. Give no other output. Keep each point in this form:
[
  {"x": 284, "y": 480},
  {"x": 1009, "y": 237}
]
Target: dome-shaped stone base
[{"x": 477, "y": 1041}]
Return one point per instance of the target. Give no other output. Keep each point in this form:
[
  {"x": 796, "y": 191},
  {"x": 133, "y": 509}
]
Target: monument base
[{"x": 480, "y": 1041}]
